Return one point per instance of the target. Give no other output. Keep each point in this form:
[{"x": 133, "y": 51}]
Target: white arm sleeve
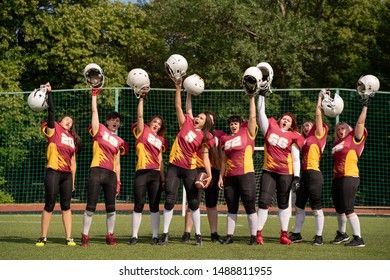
[
  {"x": 296, "y": 160},
  {"x": 263, "y": 121}
]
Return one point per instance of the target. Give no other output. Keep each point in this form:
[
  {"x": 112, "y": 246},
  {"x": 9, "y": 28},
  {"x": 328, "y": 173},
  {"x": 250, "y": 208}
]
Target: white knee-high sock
[
  {"x": 284, "y": 218},
  {"x": 262, "y": 215},
  {"x": 342, "y": 223},
  {"x": 110, "y": 222},
  {"x": 167, "y": 220},
  {"x": 137, "y": 219},
  {"x": 355, "y": 224},
  {"x": 319, "y": 221},
  {"x": 252, "y": 222},
  {"x": 155, "y": 220},
  {"x": 231, "y": 223},
  {"x": 300, "y": 216},
  {"x": 87, "y": 221},
  {"x": 196, "y": 220}
]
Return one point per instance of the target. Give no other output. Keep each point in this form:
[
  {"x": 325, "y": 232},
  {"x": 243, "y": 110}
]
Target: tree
[{"x": 220, "y": 39}]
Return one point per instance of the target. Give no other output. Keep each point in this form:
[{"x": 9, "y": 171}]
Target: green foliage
[
  {"x": 220, "y": 39},
  {"x": 5, "y": 197},
  {"x": 308, "y": 43}
]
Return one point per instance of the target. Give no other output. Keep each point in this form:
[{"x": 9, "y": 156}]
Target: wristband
[{"x": 95, "y": 91}]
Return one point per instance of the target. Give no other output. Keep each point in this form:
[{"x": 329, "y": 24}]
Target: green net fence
[{"x": 23, "y": 146}]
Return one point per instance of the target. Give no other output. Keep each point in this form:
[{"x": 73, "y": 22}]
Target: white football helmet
[
  {"x": 251, "y": 80},
  {"x": 138, "y": 80},
  {"x": 332, "y": 106},
  {"x": 194, "y": 84},
  {"x": 37, "y": 100},
  {"x": 268, "y": 75},
  {"x": 176, "y": 67},
  {"x": 367, "y": 86},
  {"x": 94, "y": 75}
]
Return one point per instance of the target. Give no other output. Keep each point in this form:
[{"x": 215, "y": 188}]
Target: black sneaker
[
  {"x": 228, "y": 239},
  {"x": 295, "y": 237},
  {"x": 317, "y": 240},
  {"x": 340, "y": 238},
  {"x": 133, "y": 241},
  {"x": 164, "y": 239},
  {"x": 357, "y": 241},
  {"x": 252, "y": 240},
  {"x": 155, "y": 240},
  {"x": 198, "y": 240},
  {"x": 186, "y": 237},
  {"x": 215, "y": 238}
]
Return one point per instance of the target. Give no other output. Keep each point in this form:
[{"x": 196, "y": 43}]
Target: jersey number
[
  {"x": 276, "y": 140},
  {"x": 110, "y": 139},
  {"x": 154, "y": 141},
  {"x": 235, "y": 142},
  {"x": 68, "y": 141},
  {"x": 190, "y": 137},
  {"x": 338, "y": 147}
]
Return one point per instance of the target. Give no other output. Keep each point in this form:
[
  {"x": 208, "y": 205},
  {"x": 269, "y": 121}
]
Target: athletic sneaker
[
  {"x": 252, "y": 240},
  {"x": 164, "y": 239},
  {"x": 198, "y": 240},
  {"x": 133, "y": 241},
  {"x": 110, "y": 240},
  {"x": 295, "y": 237},
  {"x": 340, "y": 238},
  {"x": 41, "y": 242},
  {"x": 284, "y": 238},
  {"x": 186, "y": 237},
  {"x": 317, "y": 240},
  {"x": 70, "y": 242},
  {"x": 215, "y": 238},
  {"x": 259, "y": 237},
  {"x": 155, "y": 240},
  {"x": 229, "y": 239},
  {"x": 84, "y": 240},
  {"x": 357, "y": 241}
]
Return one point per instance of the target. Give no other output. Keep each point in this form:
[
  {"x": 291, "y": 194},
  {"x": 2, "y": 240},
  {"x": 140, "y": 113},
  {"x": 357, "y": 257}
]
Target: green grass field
[{"x": 19, "y": 232}]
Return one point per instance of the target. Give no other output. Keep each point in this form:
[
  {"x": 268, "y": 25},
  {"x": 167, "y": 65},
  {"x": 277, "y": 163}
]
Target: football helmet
[
  {"x": 367, "y": 86},
  {"x": 268, "y": 75},
  {"x": 194, "y": 84},
  {"x": 332, "y": 106},
  {"x": 139, "y": 81},
  {"x": 37, "y": 100},
  {"x": 251, "y": 80},
  {"x": 94, "y": 75},
  {"x": 176, "y": 67}
]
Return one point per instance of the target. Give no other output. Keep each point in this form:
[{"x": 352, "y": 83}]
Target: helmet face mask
[
  {"x": 251, "y": 80},
  {"x": 367, "y": 86},
  {"x": 268, "y": 75},
  {"x": 176, "y": 66},
  {"x": 332, "y": 107},
  {"x": 194, "y": 84},
  {"x": 138, "y": 80},
  {"x": 37, "y": 100},
  {"x": 94, "y": 75}
]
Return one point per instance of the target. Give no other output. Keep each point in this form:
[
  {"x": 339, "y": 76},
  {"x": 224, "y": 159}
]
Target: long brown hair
[
  {"x": 208, "y": 127},
  {"x": 215, "y": 152}
]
